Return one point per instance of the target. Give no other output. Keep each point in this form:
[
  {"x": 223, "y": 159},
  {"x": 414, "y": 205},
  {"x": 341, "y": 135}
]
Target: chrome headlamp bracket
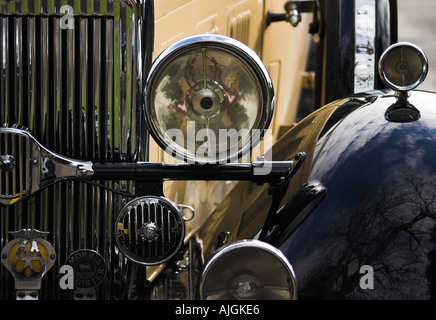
[{"x": 27, "y": 166}]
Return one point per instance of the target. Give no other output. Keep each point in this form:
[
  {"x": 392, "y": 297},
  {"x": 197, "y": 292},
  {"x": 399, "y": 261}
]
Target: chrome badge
[
  {"x": 7, "y": 163},
  {"x": 89, "y": 268},
  {"x": 28, "y": 258}
]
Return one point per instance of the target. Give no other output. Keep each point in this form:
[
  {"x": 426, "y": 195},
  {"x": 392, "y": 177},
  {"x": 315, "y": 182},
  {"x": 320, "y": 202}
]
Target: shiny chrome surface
[
  {"x": 28, "y": 258},
  {"x": 15, "y": 173},
  {"x": 180, "y": 278},
  {"x": 37, "y": 167},
  {"x": 150, "y": 230},
  {"x": 248, "y": 269},
  {"x": 403, "y": 66},
  {"x": 205, "y": 91},
  {"x": 364, "y": 45},
  {"x": 77, "y": 90}
]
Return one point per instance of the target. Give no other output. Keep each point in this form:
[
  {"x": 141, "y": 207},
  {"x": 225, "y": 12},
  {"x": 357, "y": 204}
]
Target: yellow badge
[{"x": 28, "y": 258}]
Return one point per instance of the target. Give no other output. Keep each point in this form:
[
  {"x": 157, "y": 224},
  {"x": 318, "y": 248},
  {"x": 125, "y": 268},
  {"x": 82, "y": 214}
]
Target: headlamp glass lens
[
  {"x": 403, "y": 67},
  {"x": 205, "y": 100},
  {"x": 248, "y": 269}
]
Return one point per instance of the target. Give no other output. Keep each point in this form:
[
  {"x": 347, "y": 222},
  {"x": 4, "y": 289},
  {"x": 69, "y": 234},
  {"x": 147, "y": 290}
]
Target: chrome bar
[
  {"x": 163, "y": 231},
  {"x": 155, "y": 221},
  {"x": 135, "y": 227},
  {"x": 31, "y": 76},
  {"x": 4, "y": 69},
  {"x": 43, "y": 79},
  {"x": 69, "y": 77},
  {"x": 129, "y": 226},
  {"x": 108, "y": 97},
  {"x": 148, "y": 220},
  {"x": 169, "y": 229},
  {"x": 57, "y": 76},
  {"x": 14, "y": 190},
  {"x": 83, "y": 90},
  {"x": 142, "y": 221},
  {"x": 18, "y": 59},
  {"x": 96, "y": 58},
  {"x": 6, "y": 175}
]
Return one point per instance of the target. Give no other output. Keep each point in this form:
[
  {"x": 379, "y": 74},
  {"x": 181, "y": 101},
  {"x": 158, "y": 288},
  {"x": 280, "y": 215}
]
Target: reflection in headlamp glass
[{"x": 204, "y": 93}]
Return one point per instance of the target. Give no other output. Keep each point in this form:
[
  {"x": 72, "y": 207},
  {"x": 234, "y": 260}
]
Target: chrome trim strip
[
  {"x": 31, "y": 82},
  {"x": 364, "y": 45},
  {"x": 18, "y": 72},
  {"x": 4, "y": 71}
]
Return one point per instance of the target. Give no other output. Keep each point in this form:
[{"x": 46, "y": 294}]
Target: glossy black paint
[
  {"x": 374, "y": 202},
  {"x": 152, "y": 171}
]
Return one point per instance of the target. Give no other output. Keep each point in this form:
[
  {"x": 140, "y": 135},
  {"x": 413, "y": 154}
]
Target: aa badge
[{"x": 28, "y": 258}]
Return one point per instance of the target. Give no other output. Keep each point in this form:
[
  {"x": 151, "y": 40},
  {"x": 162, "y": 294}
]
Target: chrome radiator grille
[{"x": 77, "y": 91}]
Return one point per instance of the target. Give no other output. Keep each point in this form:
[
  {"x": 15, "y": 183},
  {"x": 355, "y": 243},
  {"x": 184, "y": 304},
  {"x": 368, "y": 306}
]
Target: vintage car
[{"x": 231, "y": 149}]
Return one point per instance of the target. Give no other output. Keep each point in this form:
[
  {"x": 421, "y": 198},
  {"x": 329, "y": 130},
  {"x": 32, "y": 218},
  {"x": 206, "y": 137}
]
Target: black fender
[{"x": 358, "y": 218}]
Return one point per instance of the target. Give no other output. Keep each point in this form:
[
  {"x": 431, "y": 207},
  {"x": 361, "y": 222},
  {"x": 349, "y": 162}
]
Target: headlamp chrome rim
[
  {"x": 386, "y": 55},
  {"x": 218, "y": 42},
  {"x": 248, "y": 243}
]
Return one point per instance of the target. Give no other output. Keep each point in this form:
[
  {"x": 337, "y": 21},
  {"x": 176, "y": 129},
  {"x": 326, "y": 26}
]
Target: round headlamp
[
  {"x": 208, "y": 99},
  {"x": 248, "y": 269},
  {"x": 403, "y": 66}
]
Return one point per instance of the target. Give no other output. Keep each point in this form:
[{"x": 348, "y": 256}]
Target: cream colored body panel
[{"x": 284, "y": 50}]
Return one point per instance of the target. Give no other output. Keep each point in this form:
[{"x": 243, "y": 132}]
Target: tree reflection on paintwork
[
  {"x": 391, "y": 231},
  {"x": 227, "y": 78}
]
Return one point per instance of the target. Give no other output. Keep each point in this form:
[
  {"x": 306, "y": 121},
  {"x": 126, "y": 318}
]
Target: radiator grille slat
[
  {"x": 5, "y": 61},
  {"x": 75, "y": 89}
]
